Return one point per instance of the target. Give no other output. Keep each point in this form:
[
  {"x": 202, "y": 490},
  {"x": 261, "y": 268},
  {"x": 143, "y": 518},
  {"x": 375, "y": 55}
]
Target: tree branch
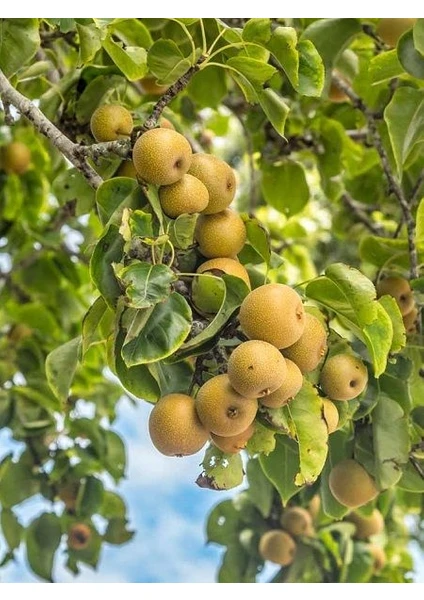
[
  {"x": 46, "y": 128},
  {"x": 361, "y": 215},
  {"x": 166, "y": 99},
  {"x": 394, "y": 186}
]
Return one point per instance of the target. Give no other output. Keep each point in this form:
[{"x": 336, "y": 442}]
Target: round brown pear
[
  {"x": 79, "y": 536},
  {"x": 399, "y": 288},
  {"x": 297, "y": 521},
  {"x": 15, "y": 158},
  {"x": 314, "y": 506},
  {"x": 234, "y": 443},
  {"x": 367, "y": 526},
  {"x": 188, "y": 195},
  {"x": 336, "y": 95},
  {"x": 410, "y": 321},
  {"x": 331, "y": 415},
  {"x": 311, "y": 347},
  {"x": 161, "y": 156},
  {"x": 222, "y": 410},
  {"x": 111, "y": 122},
  {"x": 278, "y": 547},
  {"x": 175, "y": 428},
  {"x": 288, "y": 390},
  {"x": 343, "y": 377},
  {"x": 220, "y": 235},
  {"x": 166, "y": 123},
  {"x": 273, "y": 313},
  {"x": 350, "y": 484},
  {"x": 390, "y": 30},
  {"x": 150, "y": 86},
  {"x": 256, "y": 369},
  {"x": 379, "y": 557},
  {"x": 219, "y": 179}
]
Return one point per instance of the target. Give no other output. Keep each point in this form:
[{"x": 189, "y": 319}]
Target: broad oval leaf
[
  {"x": 146, "y": 284},
  {"x": 109, "y": 249},
  {"x": 61, "y": 364},
  {"x": 42, "y": 540},
  {"x": 282, "y": 466},
  {"x": 409, "y": 57},
  {"x": 19, "y": 41},
  {"x": 131, "y": 60},
  {"x": 116, "y": 194},
  {"x": 166, "y": 61},
  {"x": 274, "y": 108},
  {"x": 285, "y": 188},
  {"x": 220, "y": 471}
]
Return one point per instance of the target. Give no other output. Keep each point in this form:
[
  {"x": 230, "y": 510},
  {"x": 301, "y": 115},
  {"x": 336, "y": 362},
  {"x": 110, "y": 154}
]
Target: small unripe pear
[
  {"x": 234, "y": 443},
  {"x": 150, "y": 86},
  {"x": 367, "y": 526},
  {"x": 350, "y": 484},
  {"x": 314, "y": 506},
  {"x": 379, "y": 557},
  {"x": 331, "y": 415},
  {"x": 399, "y": 288},
  {"x": 15, "y": 158},
  {"x": 410, "y": 321},
  {"x": 297, "y": 521},
  {"x": 343, "y": 377},
  {"x": 311, "y": 347},
  {"x": 111, "y": 122},
  {"x": 278, "y": 547},
  {"x": 79, "y": 536}
]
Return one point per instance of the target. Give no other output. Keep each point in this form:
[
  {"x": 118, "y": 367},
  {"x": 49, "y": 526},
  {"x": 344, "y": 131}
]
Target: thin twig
[
  {"x": 370, "y": 32},
  {"x": 394, "y": 186},
  {"x": 167, "y": 98},
  {"x": 417, "y": 466},
  {"x": 361, "y": 215}
]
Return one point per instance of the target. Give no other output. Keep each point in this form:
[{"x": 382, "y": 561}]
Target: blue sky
[{"x": 167, "y": 510}]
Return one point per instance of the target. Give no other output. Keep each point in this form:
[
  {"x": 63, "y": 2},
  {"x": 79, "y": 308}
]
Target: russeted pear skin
[
  {"x": 175, "y": 428},
  {"x": 311, "y": 347},
  {"x": 278, "y": 547},
  {"x": 390, "y": 30},
  {"x": 229, "y": 266},
  {"x": 235, "y": 443},
  {"x": 399, "y": 288},
  {"x": 188, "y": 195},
  {"x": 161, "y": 156},
  {"x": 15, "y": 158},
  {"x": 220, "y": 235},
  {"x": 273, "y": 313},
  {"x": 343, "y": 377},
  {"x": 222, "y": 410},
  {"x": 410, "y": 320},
  {"x": 350, "y": 484},
  {"x": 379, "y": 557},
  {"x": 256, "y": 369},
  {"x": 219, "y": 179},
  {"x": 367, "y": 526},
  {"x": 297, "y": 521},
  {"x": 79, "y": 536},
  {"x": 288, "y": 390},
  {"x": 111, "y": 122},
  {"x": 331, "y": 415}
]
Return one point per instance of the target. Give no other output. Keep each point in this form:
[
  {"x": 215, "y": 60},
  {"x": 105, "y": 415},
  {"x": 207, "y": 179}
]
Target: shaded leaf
[
  {"x": 220, "y": 471},
  {"x": 146, "y": 284},
  {"x": 282, "y": 466},
  {"x": 285, "y": 188},
  {"x": 19, "y": 41},
  {"x": 42, "y": 539},
  {"x": 61, "y": 364}
]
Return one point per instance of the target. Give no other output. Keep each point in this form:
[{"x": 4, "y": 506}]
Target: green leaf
[
  {"x": 220, "y": 471},
  {"x": 42, "y": 539},
  {"x": 146, "y": 284},
  {"x": 116, "y": 194},
  {"x": 260, "y": 491},
  {"x": 115, "y": 460},
  {"x": 71, "y": 185},
  {"x": 90, "y": 497},
  {"x": 109, "y": 249},
  {"x": 258, "y": 237},
  {"x": 411, "y": 480},
  {"x": 283, "y": 46},
  {"x": 90, "y": 38},
  {"x": 378, "y": 337},
  {"x": 282, "y": 466},
  {"x": 11, "y": 529},
  {"x": 117, "y": 532},
  {"x": 255, "y": 71},
  {"x": 172, "y": 378},
  {"x": 166, "y": 61},
  {"x": 419, "y": 231},
  {"x": 132, "y": 32},
  {"x": 181, "y": 231},
  {"x": 235, "y": 292},
  {"x": 275, "y": 109},
  {"x": 418, "y": 32},
  {"x": 311, "y": 433},
  {"x": 131, "y": 60},
  {"x": 61, "y": 364},
  {"x": 238, "y": 565},
  {"x": 404, "y": 116},
  {"x": 223, "y": 524},
  {"x": 392, "y": 309},
  {"x": 390, "y": 441},
  {"x": 136, "y": 380},
  {"x": 384, "y": 67},
  {"x": 19, "y": 41},
  {"x": 208, "y": 87},
  {"x": 377, "y": 251},
  {"x": 91, "y": 323},
  {"x": 17, "y": 483},
  {"x": 262, "y": 440},
  {"x": 257, "y": 31},
  {"x": 409, "y": 57},
  {"x": 311, "y": 69},
  {"x": 285, "y": 188},
  {"x": 113, "y": 506},
  {"x": 93, "y": 96},
  {"x": 163, "y": 331},
  {"x": 330, "y": 37}
]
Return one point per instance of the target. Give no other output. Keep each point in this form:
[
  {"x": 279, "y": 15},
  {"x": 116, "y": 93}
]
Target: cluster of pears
[
  {"x": 400, "y": 290},
  {"x": 15, "y": 158},
  {"x": 279, "y": 545}
]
